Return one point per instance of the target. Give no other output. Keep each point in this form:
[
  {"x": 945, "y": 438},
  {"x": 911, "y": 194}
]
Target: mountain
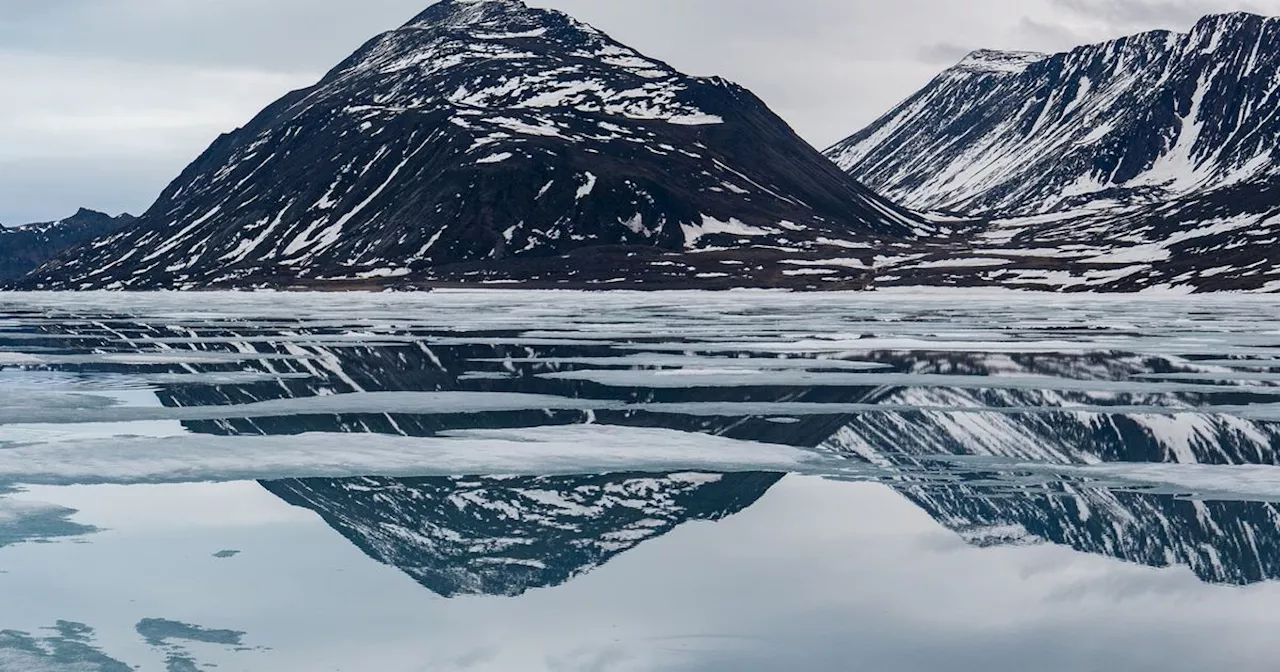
[
  {"x": 1137, "y": 164},
  {"x": 488, "y": 141},
  {"x": 1142, "y": 119},
  {"x": 506, "y": 536},
  {"x": 24, "y": 248},
  {"x": 1069, "y": 426}
]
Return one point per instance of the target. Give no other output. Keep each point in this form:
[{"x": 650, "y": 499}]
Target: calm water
[{"x": 682, "y": 481}]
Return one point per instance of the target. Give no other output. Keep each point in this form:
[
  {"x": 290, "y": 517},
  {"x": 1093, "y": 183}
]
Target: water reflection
[
  {"x": 506, "y": 536},
  {"x": 24, "y": 522},
  {"x": 66, "y": 646},
  {"x": 1223, "y": 542},
  {"x": 1039, "y": 393}
]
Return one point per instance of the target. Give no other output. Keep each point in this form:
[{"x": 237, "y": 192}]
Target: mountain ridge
[
  {"x": 1142, "y": 163},
  {"x": 1133, "y": 120}
]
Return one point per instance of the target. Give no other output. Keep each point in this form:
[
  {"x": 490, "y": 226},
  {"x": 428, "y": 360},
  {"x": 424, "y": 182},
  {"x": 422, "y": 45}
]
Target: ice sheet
[
  {"x": 539, "y": 451},
  {"x": 426, "y": 403},
  {"x": 679, "y": 378}
]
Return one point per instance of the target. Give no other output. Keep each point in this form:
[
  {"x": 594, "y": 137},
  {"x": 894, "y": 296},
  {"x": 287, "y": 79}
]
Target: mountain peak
[
  {"x": 468, "y": 12},
  {"x": 28, "y": 246},
  {"x": 507, "y": 536},
  {"x": 992, "y": 61},
  {"x": 86, "y": 212},
  {"x": 1230, "y": 19}
]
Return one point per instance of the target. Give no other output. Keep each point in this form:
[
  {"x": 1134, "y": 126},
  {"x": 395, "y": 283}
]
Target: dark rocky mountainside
[
  {"x": 1214, "y": 240},
  {"x": 1222, "y": 542},
  {"x": 1145, "y": 163},
  {"x": 489, "y": 141},
  {"x": 24, "y": 248},
  {"x": 1137, "y": 120}
]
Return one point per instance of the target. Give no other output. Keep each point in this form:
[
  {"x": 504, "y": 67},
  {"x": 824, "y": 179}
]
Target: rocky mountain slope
[
  {"x": 1085, "y": 431},
  {"x": 1222, "y": 542},
  {"x": 1142, "y": 119},
  {"x": 488, "y": 141},
  {"x": 1145, "y": 163},
  {"x": 24, "y": 248},
  {"x": 1214, "y": 240}
]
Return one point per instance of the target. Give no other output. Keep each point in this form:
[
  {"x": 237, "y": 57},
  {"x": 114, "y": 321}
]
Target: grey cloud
[
  {"x": 828, "y": 66},
  {"x": 834, "y": 644},
  {"x": 1134, "y": 16},
  {"x": 50, "y": 189},
  {"x": 1145, "y": 14},
  {"x": 942, "y": 53},
  {"x": 276, "y": 34},
  {"x": 1052, "y": 33}
]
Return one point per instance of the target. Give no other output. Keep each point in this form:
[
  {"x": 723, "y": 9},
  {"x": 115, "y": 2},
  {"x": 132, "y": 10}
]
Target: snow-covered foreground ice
[
  {"x": 520, "y": 480},
  {"x": 546, "y": 450}
]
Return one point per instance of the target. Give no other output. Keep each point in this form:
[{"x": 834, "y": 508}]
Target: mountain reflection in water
[
  {"x": 898, "y": 409},
  {"x": 505, "y": 536}
]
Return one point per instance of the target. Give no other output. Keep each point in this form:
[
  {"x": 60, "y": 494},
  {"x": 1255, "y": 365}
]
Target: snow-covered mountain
[
  {"x": 489, "y": 141},
  {"x": 506, "y": 536},
  {"x": 1142, "y": 119},
  {"x": 1143, "y": 163},
  {"x": 24, "y": 248}
]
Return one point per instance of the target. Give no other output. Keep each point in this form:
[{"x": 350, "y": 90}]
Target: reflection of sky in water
[{"x": 818, "y": 575}]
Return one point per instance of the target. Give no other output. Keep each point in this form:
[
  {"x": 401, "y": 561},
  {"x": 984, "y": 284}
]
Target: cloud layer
[{"x": 106, "y": 100}]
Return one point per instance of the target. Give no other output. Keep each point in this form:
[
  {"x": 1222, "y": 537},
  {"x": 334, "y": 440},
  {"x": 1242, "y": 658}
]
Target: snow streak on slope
[{"x": 1138, "y": 119}]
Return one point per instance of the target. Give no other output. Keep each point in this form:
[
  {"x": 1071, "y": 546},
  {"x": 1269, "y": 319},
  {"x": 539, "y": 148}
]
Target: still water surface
[{"x": 677, "y": 481}]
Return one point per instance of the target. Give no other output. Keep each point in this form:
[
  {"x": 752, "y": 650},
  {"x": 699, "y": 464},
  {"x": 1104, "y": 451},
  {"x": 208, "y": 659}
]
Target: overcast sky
[{"x": 104, "y": 101}]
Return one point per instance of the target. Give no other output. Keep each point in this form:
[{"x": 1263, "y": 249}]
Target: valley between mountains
[{"x": 488, "y": 143}]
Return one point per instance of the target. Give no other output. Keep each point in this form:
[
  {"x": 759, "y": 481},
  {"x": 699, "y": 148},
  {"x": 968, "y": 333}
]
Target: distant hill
[{"x": 24, "y": 248}]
